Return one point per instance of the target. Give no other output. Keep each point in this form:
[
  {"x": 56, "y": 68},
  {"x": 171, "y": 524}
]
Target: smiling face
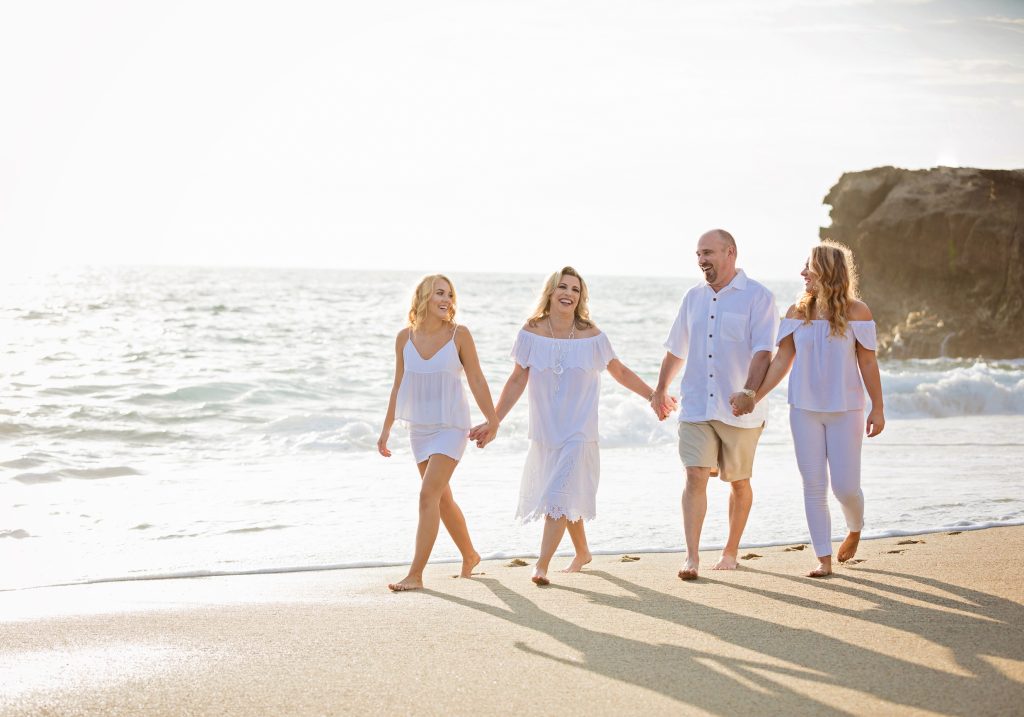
[
  {"x": 566, "y": 296},
  {"x": 716, "y": 258},
  {"x": 810, "y": 278},
  {"x": 442, "y": 300}
]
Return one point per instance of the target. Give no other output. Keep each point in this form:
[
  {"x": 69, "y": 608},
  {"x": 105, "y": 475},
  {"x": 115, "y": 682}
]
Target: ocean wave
[
  {"x": 17, "y": 534},
  {"x": 322, "y": 432},
  {"x": 79, "y": 473},
  {"x": 199, "y": 393},
  {"x": 978, "y": 389}
]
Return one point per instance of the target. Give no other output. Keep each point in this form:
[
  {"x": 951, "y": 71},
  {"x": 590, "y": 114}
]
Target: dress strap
[{"x": 453, "y": 331}]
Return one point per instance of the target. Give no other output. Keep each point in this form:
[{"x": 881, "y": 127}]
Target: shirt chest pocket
[{"x": 734, "y": 327}]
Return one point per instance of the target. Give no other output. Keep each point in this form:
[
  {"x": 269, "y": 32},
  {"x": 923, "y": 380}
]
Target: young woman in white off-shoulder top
[
  {"x": 560, "y": 354},
  {"x": 431, "y": 355},
  {"x": 828, "y": 339}
]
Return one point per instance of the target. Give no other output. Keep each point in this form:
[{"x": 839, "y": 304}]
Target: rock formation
[{"x": 941, "y": 254}]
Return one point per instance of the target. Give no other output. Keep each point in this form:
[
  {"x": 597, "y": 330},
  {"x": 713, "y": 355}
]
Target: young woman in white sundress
[
  {"x": 560, "y": 354},
  {"x": 828, "y": 338},
  {"x": 431, "y": 355}
]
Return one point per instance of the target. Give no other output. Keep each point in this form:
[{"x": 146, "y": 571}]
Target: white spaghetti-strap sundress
[{"x": 433, "y": 403}]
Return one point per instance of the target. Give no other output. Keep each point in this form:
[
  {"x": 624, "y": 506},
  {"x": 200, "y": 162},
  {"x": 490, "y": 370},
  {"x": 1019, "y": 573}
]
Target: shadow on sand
[{"x": 971, "y": 626}]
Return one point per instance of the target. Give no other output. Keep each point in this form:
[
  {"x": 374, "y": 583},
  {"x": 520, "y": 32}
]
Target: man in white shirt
[{"x": 724, "y": 335}]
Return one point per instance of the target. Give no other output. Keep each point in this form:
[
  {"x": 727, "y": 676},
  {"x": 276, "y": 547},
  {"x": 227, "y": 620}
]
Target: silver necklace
[{"x": 562, "y": 346}]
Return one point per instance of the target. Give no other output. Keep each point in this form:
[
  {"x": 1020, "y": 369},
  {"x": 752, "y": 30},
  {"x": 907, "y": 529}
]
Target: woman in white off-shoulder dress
[
  {"x": 560, "y": 354},
  {"x": 828, "y": 338},
  {"x": 431, "y": 355}
]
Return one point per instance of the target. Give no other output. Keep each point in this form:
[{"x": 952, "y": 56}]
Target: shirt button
[
  {"x": 711, "y": 336},
  {"x": 712, "y": 316},
  {"x": 711, "y": 375},
  {"x": 712, "y": 395},
  {"x": 715, "y": 299},
  {"x": 709, "y": 355}
]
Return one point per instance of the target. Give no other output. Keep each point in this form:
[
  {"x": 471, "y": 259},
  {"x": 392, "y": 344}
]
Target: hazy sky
[{"x": 478, "y": 135}]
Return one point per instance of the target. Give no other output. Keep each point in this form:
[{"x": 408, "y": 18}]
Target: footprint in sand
[
  {"x": 853, "y": 562},
  {"x": 794, "y": 547},
  {"x": 516, "y": 563},
  {"x": 628, "y": 559},
  {"x": 955, "y": 532},
  {"x": 472, "y": 575},
  {"x": 909, "y": 542},
  {"x": 751, "y": 556},
  {"x": 895, "y": 552}
]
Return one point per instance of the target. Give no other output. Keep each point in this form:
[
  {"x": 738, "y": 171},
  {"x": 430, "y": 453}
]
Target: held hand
[
  {"x": 484, "y": 434},
  {"x": 662, "y": 404},
  {"x": 382, "y": 444},
  {"x": 475, "y": 430},
  {"x": 875, "y": 423},
  {"x": 741, "y": 403},
  {"x": 670, "y": 405}
]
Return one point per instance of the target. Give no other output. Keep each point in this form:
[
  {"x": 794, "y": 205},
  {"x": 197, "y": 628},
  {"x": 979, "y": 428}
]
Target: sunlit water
[{"x": 192, "y": 421}]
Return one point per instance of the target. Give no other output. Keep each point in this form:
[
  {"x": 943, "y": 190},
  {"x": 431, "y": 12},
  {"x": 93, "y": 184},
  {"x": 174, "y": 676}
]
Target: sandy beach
[{"x": 934, "y": 626}]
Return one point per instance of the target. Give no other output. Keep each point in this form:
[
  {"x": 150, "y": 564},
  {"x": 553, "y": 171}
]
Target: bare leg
[
  {"x": 554, "y": 529},
  {"x": 849, "y": 547},
  {"x": 695, "y": 507},
  {"x": 579, "y": 541},
  {"x": 824, "y": 567},
  {"x": 435, "y": 479},
  {"x": 455, "y": 523},
  {"x": 740, "y": 499}
]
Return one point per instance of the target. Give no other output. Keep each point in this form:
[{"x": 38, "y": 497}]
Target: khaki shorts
[{"x": 726, "y": 450}]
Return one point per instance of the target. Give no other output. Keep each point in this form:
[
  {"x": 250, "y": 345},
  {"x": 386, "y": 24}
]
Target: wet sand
[{"x": 932, "y": 627}]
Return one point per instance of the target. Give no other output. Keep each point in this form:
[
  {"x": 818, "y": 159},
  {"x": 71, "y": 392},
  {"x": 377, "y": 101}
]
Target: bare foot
[
  {"x": 577, "y": 563},
  {"x": 726, "y": 562},
  {"x": 407, "y": 583},
  {"x": 689, "y": 570},
  {"x": 824, "y": 568},
  {"x": 468, "y": 564},
  {"x": 540, "y": 577},
  {"x": 849, "y": 547}
]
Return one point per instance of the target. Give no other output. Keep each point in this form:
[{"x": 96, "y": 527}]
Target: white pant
[{"x": 829, "y": 443}]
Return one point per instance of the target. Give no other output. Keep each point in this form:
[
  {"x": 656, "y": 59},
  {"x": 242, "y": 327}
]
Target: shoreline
[
  {"x": 492, "y": 557},
  {"x": 923, "y": 625}
]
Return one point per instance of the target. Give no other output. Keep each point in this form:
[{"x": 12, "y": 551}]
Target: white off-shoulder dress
[
  {"x": 825, "y": 375},
  {"x": 433, "y": 403},
  {"x": 563, "y": 465}
]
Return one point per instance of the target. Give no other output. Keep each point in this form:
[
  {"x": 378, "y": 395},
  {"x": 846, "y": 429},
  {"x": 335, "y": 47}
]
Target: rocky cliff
[{"x": 941, "y": 255}]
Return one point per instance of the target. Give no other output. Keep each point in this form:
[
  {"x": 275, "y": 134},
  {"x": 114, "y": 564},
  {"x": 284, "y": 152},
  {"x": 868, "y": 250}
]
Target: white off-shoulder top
[
  {"x": 825, "y": 375},
  {"x": 564, "y": 386},
  {"x": 431, "y": 392}
]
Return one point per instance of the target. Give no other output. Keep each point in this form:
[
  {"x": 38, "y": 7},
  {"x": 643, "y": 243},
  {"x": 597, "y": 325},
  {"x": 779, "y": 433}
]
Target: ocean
[{"x": 194, "y": 421}]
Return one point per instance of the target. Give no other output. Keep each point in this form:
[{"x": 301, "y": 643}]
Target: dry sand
[{"x": 936, "y": 628}]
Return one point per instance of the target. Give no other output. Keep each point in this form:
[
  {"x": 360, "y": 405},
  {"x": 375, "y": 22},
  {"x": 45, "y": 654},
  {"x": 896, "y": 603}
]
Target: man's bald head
[{"x": 723, "y": 236}]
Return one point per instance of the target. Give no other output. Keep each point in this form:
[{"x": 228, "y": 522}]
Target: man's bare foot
[
  {"x": 577, "y": 563},
  {"x": 689, "y": 570},
  {"x": 849, "y": 547},
  {"x": 540, "y": 577},
  {"x": 824, "y": 568},
  {"x": 407, "y": 583},
  {"x": 468, "y": 564},
  {"x": 726, "y": 562}
]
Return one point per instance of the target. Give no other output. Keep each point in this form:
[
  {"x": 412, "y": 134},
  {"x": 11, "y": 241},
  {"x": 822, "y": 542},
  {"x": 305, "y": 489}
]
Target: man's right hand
[{"x": 662, "y": 404}]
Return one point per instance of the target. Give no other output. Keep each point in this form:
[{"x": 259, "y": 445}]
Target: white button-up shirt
[{"x": 717, "y": 334}]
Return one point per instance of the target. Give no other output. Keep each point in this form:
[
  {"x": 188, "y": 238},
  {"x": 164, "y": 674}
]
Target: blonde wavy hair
[
  {"x": 543, "y": 308},
  {"x": 835, "y": 285},
  {"x": 421, "y": 298}
]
